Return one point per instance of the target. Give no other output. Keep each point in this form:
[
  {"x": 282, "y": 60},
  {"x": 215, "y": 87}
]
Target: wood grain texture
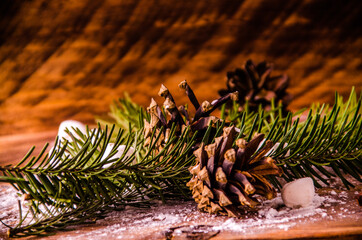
[
  {"x": 340, "y": 224},
  {"x": 70, "y": 59}
]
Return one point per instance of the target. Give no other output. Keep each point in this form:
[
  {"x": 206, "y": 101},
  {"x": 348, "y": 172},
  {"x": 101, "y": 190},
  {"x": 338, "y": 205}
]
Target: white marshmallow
[
  {"x": 299, "y": 193},
  {"x": 68, "y": 124},
  {"x": 118, "y": 154}
]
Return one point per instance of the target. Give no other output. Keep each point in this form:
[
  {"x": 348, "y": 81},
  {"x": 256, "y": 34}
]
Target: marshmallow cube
[
  {"x": 299, "y": 193},
  {"x": 70, "y": 124}
]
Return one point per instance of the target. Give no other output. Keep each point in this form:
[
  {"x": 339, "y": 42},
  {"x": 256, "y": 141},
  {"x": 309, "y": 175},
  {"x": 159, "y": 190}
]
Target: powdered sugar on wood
[{"x": 179, "y": 219}]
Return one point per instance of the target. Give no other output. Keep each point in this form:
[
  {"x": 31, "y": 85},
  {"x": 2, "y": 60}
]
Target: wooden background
[{"x": 70, "y": 59}]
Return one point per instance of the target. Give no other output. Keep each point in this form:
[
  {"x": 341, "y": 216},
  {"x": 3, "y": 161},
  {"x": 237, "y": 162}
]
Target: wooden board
[{"x": 338, "y": 218}]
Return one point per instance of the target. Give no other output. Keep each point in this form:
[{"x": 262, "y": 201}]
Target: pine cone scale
[
  {"x": 229, "y": 161},
  {"x": 261, "y": 153},
  {"x": 244, "y": 182}
]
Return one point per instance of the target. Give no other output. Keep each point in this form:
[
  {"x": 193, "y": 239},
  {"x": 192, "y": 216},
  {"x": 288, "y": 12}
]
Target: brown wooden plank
[{"x": 342, "y": 225}]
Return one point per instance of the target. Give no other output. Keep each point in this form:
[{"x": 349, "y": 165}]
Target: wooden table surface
[{"x": 336, "y": 223}]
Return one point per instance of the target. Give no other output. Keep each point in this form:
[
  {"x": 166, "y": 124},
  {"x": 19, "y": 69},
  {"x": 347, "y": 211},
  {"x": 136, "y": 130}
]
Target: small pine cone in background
[
  {"x": 226, "y": 178},
  {"x": 256, "y": 85}
]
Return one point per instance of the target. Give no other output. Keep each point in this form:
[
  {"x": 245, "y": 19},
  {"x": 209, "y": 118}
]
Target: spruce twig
[
  {"x": 327, "y": 140},
  {"x": 71, "y": 184}
]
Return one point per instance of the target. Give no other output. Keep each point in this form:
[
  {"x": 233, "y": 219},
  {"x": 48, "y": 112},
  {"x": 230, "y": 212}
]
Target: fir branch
[
  {"x": 64, "y": 184},
  {"x": 79, "y": 180},
  {"x": 327, "y": 139}
]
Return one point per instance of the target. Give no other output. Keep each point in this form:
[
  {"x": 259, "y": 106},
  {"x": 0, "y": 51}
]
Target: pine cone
[
  {"x": 227, "y": 178},
  {"x": 255, "y": 85},
  {"x": 180, "y": 116}
]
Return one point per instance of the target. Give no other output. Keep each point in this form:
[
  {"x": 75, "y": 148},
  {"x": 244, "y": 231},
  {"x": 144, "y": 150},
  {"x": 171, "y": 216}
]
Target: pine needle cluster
[
  {"x": 326, "y": 144},
  {"x": 79, "y": 182},
  {"x": 76, "y": 181}
]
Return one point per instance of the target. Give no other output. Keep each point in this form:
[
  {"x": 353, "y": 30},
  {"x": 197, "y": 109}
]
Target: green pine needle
[
  {"x": 64, "y": 184},
  {"x": 79, "y": 181},
  {"x": 328, "y": 140}
]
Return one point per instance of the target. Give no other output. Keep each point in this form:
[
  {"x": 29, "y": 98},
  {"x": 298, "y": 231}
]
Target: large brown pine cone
[
  {"x": 256, "y": 85},
  {"x": 226, "y": 178}
]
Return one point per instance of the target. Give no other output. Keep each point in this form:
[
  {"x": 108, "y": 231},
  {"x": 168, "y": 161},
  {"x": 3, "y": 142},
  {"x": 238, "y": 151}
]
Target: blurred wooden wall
[{"x": 70, "y": 59}]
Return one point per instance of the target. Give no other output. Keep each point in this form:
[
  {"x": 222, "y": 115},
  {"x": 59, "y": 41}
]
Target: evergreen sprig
[
  {"x": 328, "y": 143},
  {"x": 79, "y": 182},
  {"x": 76, "y": 181}
]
